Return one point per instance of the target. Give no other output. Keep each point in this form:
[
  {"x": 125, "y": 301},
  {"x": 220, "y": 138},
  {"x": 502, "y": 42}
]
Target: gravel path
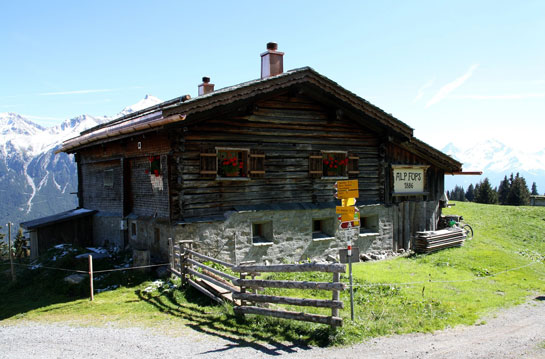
[{"x": 512, "y": 333}]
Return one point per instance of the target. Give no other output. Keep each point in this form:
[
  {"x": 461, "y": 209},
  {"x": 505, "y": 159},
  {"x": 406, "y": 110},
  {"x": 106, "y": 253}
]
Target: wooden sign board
[
  {"x": 350, "y": 185},
  {"x": 345, "y": 210},
  {"x": 348, "y": 194},
  {"x": 409, "y": 179}
]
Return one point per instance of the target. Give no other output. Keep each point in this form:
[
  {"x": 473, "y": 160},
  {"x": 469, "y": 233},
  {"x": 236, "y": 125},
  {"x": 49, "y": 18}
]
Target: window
[
  {"x": 369, "y": 224},
  {"x": 109, "y": 178},
  {"x": 262, "y": 233},
  {"x": 226, "y": 163},
  {"x": 133, "y": 230},
  {"x": 232, "y": 163},
  {"x": 155, "y": 165},
  {"x": 323, "y": 229},
  {"x": 333, "y": 164}
]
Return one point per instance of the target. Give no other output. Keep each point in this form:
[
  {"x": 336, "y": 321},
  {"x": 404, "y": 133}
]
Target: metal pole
[
  {"x": 91, "y": 277},
  {"x": 349, "y": 253},
  {"x": 13, "y": 278}
]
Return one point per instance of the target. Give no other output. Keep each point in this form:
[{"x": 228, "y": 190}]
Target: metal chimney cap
[
  {"x": 206, "y": 79},
  {"x": 272, "y": 46}
]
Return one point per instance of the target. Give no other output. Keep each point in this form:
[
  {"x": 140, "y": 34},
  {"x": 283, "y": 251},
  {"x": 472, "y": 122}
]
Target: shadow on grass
[
  {"x": 278, "y": 337},
  {"x": 41, "y": 288}
]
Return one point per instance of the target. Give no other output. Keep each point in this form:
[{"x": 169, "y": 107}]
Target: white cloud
[
  {"x": 502, "y": 97},
  {"x": 451, "y": 86},
  {"x": 422, "y": 88}
]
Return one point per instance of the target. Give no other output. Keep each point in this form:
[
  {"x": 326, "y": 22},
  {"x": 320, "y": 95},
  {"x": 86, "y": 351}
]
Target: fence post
[
  {"x": 183, "y": 262},
  {"x": 91, "y": 277},
  {"x": 335, "y": 294},
  {"x": 170, "y": 252}
]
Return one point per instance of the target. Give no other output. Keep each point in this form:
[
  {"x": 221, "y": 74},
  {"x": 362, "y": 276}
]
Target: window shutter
[
  {"x": 257, "y": 164},
  {"x": 315, "y": 165},
  {"x": 353, "y": 170},
  {"x": 209, "y": 164}
]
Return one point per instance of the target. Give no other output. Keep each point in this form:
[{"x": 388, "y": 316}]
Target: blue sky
[{"x": 454, "y": 71}]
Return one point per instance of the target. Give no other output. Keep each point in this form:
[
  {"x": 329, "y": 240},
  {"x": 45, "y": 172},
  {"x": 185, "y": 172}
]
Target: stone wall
[{"x": 292, "y": 237}]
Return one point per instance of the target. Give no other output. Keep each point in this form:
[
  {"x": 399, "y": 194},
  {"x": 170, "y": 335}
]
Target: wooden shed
[
  {"x": 74, "y": 227},
  {"x": 248, "y": 171}
]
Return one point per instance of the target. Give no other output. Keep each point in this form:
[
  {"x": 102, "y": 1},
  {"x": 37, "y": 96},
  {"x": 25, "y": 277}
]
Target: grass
[{"x": 502, "y": 266}]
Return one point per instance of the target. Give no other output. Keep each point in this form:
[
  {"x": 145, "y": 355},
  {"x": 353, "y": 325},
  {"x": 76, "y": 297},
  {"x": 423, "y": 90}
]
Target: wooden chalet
[{"x": 247, "y": 172}]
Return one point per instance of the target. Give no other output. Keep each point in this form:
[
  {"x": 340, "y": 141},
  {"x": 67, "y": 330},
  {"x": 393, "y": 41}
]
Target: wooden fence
[{"x": 243, "y": 291}]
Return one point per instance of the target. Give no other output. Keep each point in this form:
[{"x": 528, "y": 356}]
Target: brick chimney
[
  {"x": 206, "y": 86},
  {"x": 272, "y": 62}
]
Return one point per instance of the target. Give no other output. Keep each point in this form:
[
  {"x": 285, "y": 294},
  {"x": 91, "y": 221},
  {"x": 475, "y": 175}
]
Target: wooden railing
[{"x": 243, "y": 291}]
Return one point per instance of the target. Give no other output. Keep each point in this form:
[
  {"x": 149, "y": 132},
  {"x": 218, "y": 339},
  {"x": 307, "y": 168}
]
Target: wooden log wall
[{"x": 287, "y": 130}]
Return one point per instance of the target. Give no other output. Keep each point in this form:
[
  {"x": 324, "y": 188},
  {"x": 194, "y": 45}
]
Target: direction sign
[{"x": 347, "y": 185}]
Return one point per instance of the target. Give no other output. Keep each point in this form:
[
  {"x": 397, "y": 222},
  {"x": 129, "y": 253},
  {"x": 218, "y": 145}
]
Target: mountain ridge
[{"x": 34, "y": 181}]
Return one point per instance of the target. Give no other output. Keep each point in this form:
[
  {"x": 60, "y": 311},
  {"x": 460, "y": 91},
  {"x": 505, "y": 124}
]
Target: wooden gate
[{"x": 243, "y": 291}]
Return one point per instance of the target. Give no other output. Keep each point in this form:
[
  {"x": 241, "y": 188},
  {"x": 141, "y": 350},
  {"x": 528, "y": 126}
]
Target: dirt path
[{"x": 517, "y": 332}]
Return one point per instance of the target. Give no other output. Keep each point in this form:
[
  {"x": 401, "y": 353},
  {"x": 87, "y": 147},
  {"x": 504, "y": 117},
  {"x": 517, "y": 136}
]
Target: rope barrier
[
  {"x": 87, "y": 272},
  {"x": 130, "y": 268}
]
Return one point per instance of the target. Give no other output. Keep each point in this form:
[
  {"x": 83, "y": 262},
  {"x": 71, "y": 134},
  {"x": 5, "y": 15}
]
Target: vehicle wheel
[{"x": 469, "y": 231}]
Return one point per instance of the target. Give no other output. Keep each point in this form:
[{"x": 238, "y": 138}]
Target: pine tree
[
  {"x": 470, "y": 193},
  {"x": 519, "y": 195},
  {"x": 19, "y": 244},
  {"x": 534, "y": 189},
  {"x": 3, "y": 247},
  {"x": 503, "y": 190},
  {"x": 486, "y": 193}
]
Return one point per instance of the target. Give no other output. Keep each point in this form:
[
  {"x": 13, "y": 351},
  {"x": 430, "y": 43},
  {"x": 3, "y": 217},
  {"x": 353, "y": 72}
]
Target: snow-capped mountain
[
  {"x": 496, "y": 160},
  {"x": 34, "y": 181}
]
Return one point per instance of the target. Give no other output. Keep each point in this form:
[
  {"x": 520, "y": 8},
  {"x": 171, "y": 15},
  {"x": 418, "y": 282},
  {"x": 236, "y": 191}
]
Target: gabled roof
[{"x": 181, "y": 109}]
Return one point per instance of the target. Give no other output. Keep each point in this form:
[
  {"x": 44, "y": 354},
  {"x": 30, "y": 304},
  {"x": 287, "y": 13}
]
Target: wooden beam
[
  {"x": 204, "y": 291},
  {"x": 197, "y": 254},
  {"x": 258, "y": 283},
  {"x": 215, "y": 271},
  {"x": 321, "y": 303},
  {"x": 315, "y": 318},
  {"x": 305, "y": 267},
  {"x": 212, "y": 280}
]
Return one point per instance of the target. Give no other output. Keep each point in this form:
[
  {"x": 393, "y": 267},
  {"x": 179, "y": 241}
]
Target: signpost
[{"x": 349, "y": 224}]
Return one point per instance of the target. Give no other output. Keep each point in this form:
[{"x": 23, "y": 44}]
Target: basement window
[
  {"x": 369, "y": 225},
  {"x": 323, "y": 229},
  {"x": 262, "y": 233},
  {"x": 109, "y": 178}
]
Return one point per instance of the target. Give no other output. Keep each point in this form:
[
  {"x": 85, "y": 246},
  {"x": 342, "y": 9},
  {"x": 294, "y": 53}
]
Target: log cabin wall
[
  {"x": 287, "y": 130},
  {"x": 135, "y": 189},
  {"x": 413, "y": 213}
]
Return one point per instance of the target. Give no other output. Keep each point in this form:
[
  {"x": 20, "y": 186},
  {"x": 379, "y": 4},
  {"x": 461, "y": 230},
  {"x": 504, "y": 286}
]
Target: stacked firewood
[{"x": 430, "y": 241}]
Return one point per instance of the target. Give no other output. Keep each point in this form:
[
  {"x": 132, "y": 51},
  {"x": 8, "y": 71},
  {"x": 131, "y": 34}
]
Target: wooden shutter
[
  {"x": 353, "y": 170},
  {"x": 257, "y": 164},
  {"x": 315, "y": 165},
  {"x": 209, "y": 163}
]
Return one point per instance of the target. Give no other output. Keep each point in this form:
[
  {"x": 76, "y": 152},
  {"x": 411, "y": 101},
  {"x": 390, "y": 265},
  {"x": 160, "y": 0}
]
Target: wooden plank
[
  {"x": 197, "y": 254},
  {"x": 314, "y": 318},
  {"x": 213, "y": 270},
  {"x": 335, "y": 295},
  {"x": 304, "y": 267},
  {"x": 204, "y": 291},
  {"x": 406, "y": 225},
  {"x": 259, "y": 283},
  {"x": 212, "y": 280},
  {"x": 319, "y": 303}
]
